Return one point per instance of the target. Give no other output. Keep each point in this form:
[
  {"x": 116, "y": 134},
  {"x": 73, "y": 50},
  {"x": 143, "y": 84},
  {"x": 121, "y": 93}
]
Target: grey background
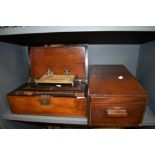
[
  {"x": 146, "y": 71},
  {"x": 13, "y": 73},
  {"x": 115, "y": 54}
]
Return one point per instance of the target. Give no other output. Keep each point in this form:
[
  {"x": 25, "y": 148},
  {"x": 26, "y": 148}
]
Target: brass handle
[
  {"x": 45, "y": 100},
  {"x": 117, "y": 113}
]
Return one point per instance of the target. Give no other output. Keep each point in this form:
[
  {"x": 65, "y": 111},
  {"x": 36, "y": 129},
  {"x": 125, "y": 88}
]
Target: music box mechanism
[{"x": 50, "y": 77}]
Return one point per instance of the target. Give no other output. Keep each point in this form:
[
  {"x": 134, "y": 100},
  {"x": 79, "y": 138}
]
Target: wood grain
[
  {"x": 48, "y": 99},
  {"x": 59, "y": 106},
  {"x": 126, "y": 111},
  {"x": 114, "y": 101},
  {"x": 104, "y": 82},
  {"x": 57, "y": 59}
]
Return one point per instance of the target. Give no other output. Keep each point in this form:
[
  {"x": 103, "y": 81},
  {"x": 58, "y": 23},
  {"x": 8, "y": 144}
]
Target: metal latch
[{"x": 45, "y": 100}]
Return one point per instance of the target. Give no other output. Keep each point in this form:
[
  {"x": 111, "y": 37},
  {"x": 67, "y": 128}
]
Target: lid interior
[{"x": 58, "y": 59}]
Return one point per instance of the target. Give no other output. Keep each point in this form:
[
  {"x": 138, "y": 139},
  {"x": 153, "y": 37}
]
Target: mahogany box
[
  {"x": 55, "y": 99},
  {"x": 116, "y": 97}
]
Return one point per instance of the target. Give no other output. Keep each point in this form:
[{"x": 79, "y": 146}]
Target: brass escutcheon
[{"x": 45, "y": 100}]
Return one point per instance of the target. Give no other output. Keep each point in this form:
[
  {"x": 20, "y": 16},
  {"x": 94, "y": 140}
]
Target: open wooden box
[{"x": 55, "y": 99}]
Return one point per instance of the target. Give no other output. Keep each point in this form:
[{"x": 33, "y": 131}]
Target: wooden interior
[{"x": 57, "y": 59}]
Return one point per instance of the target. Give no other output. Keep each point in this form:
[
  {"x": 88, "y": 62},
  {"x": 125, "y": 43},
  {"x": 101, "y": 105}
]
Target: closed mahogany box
[
  {"x": 116, "y": 97},
  {"x": 55, "y": 99}
]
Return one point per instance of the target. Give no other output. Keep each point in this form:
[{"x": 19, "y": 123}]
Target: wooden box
[
  {"x": 116, "y": 97},
  {"x": 55, "y": 99}
]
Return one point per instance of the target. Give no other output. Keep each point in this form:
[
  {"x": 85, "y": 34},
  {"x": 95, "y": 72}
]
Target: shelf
[
  {"x": 37, "y": 36},
  {"x": 56, "y": 29},
  {"x": 149, "y": 119},
  {"x": 46, "y": 119}
]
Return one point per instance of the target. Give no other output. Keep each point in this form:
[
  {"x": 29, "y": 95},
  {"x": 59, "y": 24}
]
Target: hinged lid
[
  {"x": 58, "y": 59},
  {"x": 113, "y": 80}
]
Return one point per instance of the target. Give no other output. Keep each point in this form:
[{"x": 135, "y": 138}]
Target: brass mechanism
[{"x": 50, "y": 77}]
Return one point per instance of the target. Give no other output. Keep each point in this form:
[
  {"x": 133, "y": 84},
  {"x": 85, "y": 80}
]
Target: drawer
[
  {"x": 45, "y": 105},
  {"x": 117, "y": 111}
]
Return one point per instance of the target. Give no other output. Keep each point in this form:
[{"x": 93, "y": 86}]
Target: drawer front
[
  {"x": 55, "y": 106},
  {"x": 117, "y": 111}
]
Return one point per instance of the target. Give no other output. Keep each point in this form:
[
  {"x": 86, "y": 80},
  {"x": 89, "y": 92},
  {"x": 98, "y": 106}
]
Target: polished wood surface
[
  {"x": 104, "y": 81},
  {"x": 123, "y": 111},
  {"x": 53, "y": 99},
  {"x": 57, "y": 106},
  {"x": 114, "y": 101},
  {"x": 49, "y": 99},
  {"x": 57, "y": 59}
]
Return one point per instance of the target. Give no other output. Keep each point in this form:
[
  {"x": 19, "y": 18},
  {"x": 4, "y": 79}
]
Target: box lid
[
  {"x": 113, "y": 80},
  {"x": 58, "y": 59}
]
